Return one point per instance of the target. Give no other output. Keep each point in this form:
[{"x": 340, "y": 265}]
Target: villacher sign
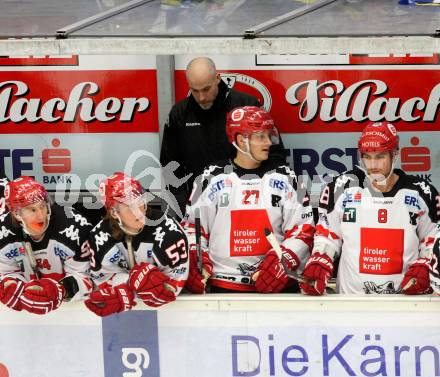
[
  {"x": 364, "y": 100},
  {"x": 14, "y": 107},
  {"x": 78, "y": 101}
]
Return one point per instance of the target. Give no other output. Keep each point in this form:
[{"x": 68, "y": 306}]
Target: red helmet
[
  {"x": 248, "y": 119},
  {"x": 378, "y": 137},
  {"x": 22, "y": 192},
  {"x": 119, "y": 188}
]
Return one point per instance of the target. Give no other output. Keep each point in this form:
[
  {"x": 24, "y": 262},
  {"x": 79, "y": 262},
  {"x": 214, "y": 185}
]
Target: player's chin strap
[
  {"x": 248, "y": 151},
  {"x": 383, "y": 182},
  {"x": 28, "y": 231}
]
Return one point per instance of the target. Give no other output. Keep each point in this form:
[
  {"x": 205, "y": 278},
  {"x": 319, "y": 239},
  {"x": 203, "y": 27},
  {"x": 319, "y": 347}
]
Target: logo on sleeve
[
  {"x": 349, "y": 215},
  {"x": 72, "y": 233}
]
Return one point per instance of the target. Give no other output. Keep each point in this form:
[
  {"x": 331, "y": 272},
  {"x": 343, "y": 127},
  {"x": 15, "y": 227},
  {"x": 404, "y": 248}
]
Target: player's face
[
  {"x": 259, "y": 144},
  {"x": 35, "y": 217},
  {"x": 132, "y": 215},
  {"x": 204, "y": 90},
  {"x": 378, "y": 164}
]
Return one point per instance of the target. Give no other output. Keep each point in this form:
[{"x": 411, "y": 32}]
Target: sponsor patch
[{"x": 381, "y": 251}]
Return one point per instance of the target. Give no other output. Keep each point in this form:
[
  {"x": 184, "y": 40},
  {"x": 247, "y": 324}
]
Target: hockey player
[
  {"x": 44, "y": 257},
  {"x": 135, "y": 251},
  {"x": 237, "y": 200},
  {"x": 380, "y": 221},
  {"x": 3, "y": 182}
]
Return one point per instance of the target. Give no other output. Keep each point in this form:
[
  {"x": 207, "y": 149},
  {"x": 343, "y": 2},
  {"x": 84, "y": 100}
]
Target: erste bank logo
[{"x": 55, "y": 162}]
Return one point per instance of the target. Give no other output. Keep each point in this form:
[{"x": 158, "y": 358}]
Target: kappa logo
[
  {"x": 342, "y": 180},
  {"x": 159, "y": 235},
  {"x": 101, "y": 238},
  {"x": 171, "y": 225},
  {"x": 207, "y": 172},
  {"x": 4, "y": 232},
  {"x": 80, "y": 219},
  {"x": 425, "y": 188},
  {"x": 72, "y": 233},
  {"x": 231, "y": 79}
]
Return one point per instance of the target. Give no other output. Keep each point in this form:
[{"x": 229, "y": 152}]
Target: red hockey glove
[
  {"x": 110, "y": 300},
  {"x": 319, "y": 268},
  {"x": 270, "y": 276},
  {"x": 152, "y": 286},
  {"x": 196, "y": 282},
  {"x": 416, "y": 279},
  {"x": 10, "y": 293},
  {"x": 42, "y": 296}
]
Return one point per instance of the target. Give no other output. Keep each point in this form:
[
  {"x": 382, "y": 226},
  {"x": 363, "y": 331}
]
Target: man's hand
[
  {"x": 416, "y": 279},
  {"x": 319, "y": 268},
  {"x": 270, "y": 276},
  {"x": 42, "y": 296},
  {"x": 196, "y": 282},
  {"x": 151, "y": 285},
  {"x": 10, "y": 293},
  {"x": 110, "y": 300}
]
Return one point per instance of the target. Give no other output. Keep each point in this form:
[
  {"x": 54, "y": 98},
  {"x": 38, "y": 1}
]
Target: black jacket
[{"x": 196, "y": 138}]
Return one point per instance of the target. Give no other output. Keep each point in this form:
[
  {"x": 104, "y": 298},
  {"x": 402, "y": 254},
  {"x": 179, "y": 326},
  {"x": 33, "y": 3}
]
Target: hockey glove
[
  {"x": 10, "y": 293},
  {"x": 318, "y": 269},
  {"x": 152, "y": 286},
  {"x": 42, "y": 296},
  {"x": 110, "y": 300},
  {"x": 270, "y": 276},
  {"x": 196, "y": 282},
  {"x": 416, "y": 279}
]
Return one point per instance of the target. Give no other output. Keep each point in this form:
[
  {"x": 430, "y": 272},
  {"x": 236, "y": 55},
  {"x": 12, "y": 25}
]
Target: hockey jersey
[
  {"x": 3, "y": 182},
  {"x": 377, "y": 235},
  {"x": 62, "y": 254},
  {"x": 236, "y": 205},
  {"x": 163, "y": 243}
]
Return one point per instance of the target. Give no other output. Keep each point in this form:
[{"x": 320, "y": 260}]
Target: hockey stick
[
  {"x": 198, "y": 230},
  {"x": 276, "y": 246},
  {"x": 434, "y": 279},
  {"x": 31, "y": 259},
  {"x": 292, "y": 274},
  {"x": 408, "y": 285},
  {"x": 130, "y": 254},
  {"x": 33, "y": 264}
]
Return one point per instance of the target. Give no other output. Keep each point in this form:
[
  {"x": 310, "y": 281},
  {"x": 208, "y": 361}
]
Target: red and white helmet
[
  {"x": 248, "y": 119},
  {"x": 22, "y": 192},
  {"x": 119, "y": 188},
  {"x": 378, "y": 137}
]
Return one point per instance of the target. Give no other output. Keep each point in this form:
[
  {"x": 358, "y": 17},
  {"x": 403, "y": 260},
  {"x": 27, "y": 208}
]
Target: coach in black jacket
[{"x": 194, "y": 134}]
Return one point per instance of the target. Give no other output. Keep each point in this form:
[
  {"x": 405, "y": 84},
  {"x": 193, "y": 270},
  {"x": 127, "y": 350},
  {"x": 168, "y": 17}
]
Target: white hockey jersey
[
  {"x": 62, "y": 254},
  {"x": 377, "y": 235},
  {"x": 164, "y": 245},
  {"x": 236, "y": 205}
]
